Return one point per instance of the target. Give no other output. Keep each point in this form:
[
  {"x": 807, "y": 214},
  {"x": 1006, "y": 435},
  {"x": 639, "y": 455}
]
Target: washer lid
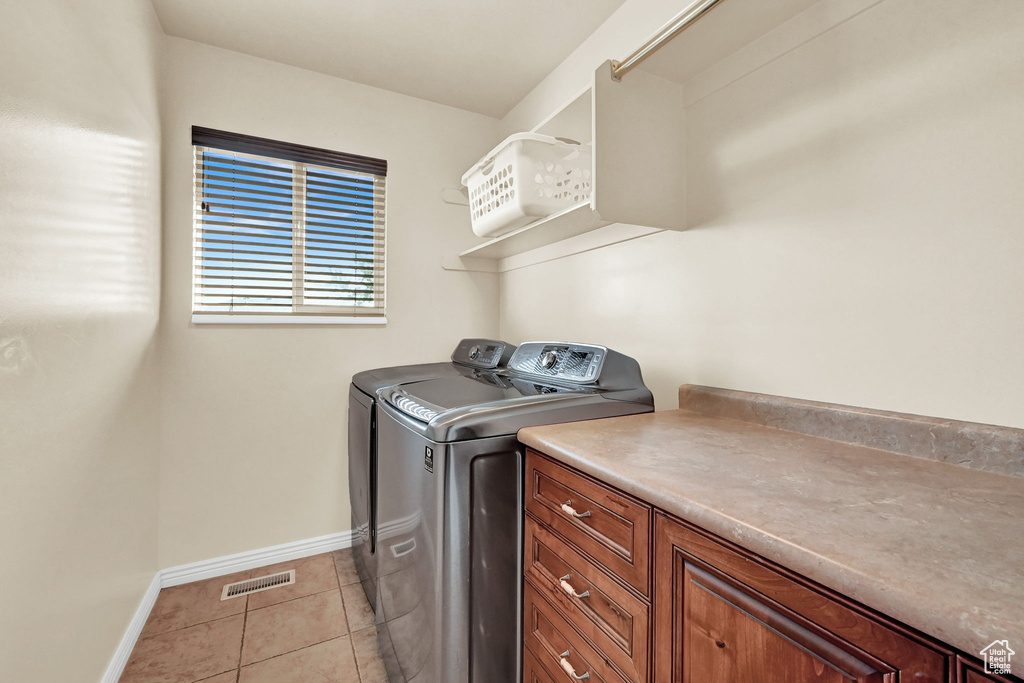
[{"x": 427, "y": 399}]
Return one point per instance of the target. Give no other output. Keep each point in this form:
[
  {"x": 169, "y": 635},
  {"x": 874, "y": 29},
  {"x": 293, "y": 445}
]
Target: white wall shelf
[
  {"x": 636, "y": 129},
  {"x": 558, "y": 226}
]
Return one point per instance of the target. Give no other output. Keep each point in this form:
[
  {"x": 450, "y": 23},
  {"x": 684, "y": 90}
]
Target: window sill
[{"x": 285, "y": 320}]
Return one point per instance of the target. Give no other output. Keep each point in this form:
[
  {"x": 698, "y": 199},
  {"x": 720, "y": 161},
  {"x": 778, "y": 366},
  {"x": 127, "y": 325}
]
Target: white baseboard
[
  {"x": 127, "y": 644},
  {"x": 229, "y": 564},
  {"x": 208, "y": 569}
]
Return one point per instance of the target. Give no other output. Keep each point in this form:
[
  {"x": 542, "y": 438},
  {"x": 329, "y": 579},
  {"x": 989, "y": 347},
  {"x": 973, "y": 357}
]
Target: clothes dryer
[{"x": 469, "y": 355}]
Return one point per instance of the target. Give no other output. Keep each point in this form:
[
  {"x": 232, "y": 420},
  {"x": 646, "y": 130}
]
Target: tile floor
[{"x": 318, "y": 630}]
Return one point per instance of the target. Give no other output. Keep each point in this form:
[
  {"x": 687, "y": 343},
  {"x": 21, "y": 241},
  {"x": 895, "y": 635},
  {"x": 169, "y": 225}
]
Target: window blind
[{"x": 283, "y": 229}]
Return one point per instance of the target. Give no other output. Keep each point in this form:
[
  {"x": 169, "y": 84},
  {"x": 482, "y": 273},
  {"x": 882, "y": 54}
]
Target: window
[{"x": 285, "y": 233}]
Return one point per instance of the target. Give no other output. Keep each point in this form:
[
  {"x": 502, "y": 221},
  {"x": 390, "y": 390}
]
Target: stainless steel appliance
[
  {"x": 450, "y": 503},
  {"x": 470, "y": 354}
]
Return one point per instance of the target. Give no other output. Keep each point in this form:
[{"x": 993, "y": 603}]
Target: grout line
[
  {"x": 200, "y": 680},
  {"x": 350, "y": 583},
  {"x": 298, "y": 649},
  {"x": 241, "y": 644},
  {"x": 257, "y": 609},
  {"x": 337, "y": 579},
  {"x": 238, "y": 672},
  {"x": 346, "y": 634},
  {"x": 376, "y": 655},
  {"x": 351, "y": 640},
  {"x": 344, "y": 607},
  {"x": 337, "y": 573},
  {"x": 198, "y": 623},
  {"x": 348, "y": 627},
  {"x": 182, "y": 628}
]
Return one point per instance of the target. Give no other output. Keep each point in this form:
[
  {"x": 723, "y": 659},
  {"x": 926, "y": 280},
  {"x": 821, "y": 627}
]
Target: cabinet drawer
[
  {"x": 609, "y": 526},
  {"x": 614, "y": 619},
  {"x": 558, "y": 645},
  {"x": 533, "y": 672}
]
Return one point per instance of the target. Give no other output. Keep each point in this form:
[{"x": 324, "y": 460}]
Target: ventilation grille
[{"x": 260, "y": 583}]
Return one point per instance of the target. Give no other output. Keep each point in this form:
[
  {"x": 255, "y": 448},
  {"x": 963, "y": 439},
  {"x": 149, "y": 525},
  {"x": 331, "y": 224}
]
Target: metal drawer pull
[
  {"x": 567, "y": 587},
  {"x": 568, "y": 509},
  {"x": 563, "y": 659}
]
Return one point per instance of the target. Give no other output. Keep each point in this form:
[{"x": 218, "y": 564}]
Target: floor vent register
[{"x": 260, "y": 583}]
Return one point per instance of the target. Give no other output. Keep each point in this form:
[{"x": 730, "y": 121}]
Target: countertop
[{"x": 937, "y": 546}]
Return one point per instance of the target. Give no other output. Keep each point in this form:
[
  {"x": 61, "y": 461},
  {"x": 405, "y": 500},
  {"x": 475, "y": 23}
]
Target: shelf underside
[{"x": 567, "y": 223}]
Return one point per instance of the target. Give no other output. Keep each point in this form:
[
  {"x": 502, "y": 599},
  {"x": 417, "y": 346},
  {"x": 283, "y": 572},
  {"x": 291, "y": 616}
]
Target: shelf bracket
[
  {"x": 452, "y": 196},
  {"x": 468, "y": 263}
]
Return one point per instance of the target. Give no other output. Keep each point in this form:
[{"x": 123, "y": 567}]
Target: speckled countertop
[{"x": 937, "y": 546}]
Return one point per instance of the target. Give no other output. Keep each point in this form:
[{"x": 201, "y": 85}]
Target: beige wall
[
  {"x": 629, "y": 27},
  {"x": 253, "y": 442},
  {"x": 855, "y": 233},
  {"x": 854, "y": 210},
  {"x": 79, "y": 301}
]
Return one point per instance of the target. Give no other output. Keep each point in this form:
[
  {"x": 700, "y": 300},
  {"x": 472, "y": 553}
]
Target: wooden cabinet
[
  {"x": 552, "y": 638},
  {"x": 587, "y": 577},
  {"x": 728, "y": 634},
  {"x": 627, "y": 593},
  {"x": 609, "y": 526},
  {"x": 609, "y": 615},
  {"x": 723, "y": 614}
]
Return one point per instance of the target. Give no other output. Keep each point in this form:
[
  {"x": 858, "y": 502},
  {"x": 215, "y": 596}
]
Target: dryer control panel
[
  {"x": 565, "y": 362},
  {"x": 482, "y": 353}
]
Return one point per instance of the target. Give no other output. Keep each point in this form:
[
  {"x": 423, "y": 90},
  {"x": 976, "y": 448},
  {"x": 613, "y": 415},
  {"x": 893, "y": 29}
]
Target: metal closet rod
[{"x": 686, "y": 19}]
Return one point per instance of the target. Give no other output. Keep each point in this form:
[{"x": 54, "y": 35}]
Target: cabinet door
[
  {"x": 729, "y": 635},
  {"x": 974, "y": 672},
  {"x": 722, "y": 616}
]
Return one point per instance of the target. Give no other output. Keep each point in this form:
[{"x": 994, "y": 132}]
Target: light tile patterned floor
[{"x": 319, "y": 630}]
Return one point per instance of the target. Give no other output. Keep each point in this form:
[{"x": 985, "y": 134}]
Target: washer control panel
[
  {"x": 566, "y": 362},
  {"x": 480, "y": 353}
]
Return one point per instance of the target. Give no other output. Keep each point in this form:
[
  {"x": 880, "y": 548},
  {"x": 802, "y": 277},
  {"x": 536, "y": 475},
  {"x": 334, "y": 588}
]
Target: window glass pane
[
  {"x": 246, "y": 222},
  {"x": 285, "y": 237}
]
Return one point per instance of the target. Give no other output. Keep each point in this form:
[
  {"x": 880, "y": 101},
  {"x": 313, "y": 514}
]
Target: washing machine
[
  {"x": 449, "y": 508},
  {"x": 469, "y": 355}
]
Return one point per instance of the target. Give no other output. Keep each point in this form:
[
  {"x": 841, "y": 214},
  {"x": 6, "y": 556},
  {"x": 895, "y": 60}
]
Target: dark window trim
[{"x": 250, "y": 144}]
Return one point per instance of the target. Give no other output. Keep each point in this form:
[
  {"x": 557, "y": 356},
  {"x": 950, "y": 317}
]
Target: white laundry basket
[{"x": 525, "y": 178}]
